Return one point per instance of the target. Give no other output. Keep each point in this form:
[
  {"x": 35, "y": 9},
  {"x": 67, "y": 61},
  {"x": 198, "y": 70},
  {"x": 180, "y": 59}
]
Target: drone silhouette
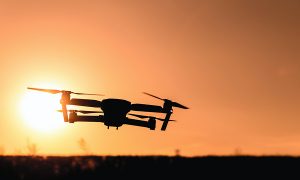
[{"x": 114, "y": 111}]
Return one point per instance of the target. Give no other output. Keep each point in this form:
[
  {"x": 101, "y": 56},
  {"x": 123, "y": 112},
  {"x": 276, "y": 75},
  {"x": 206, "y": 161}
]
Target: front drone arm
[
  {"x": 147, "y": 124},
  {"x": 136, "y": 122},
  {"x": 146, "y": 107}
]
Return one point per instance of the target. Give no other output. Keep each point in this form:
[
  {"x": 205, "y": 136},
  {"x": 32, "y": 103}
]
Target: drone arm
[
  {"x": 85, "y": 102},
  {"x": 81, "y": 118},
  {"x": 136, "y": 122},
  {"x": 146, "y": 107}
]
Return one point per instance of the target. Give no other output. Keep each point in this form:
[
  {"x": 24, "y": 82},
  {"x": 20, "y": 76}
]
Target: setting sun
[{"x": 39, "y": 111}]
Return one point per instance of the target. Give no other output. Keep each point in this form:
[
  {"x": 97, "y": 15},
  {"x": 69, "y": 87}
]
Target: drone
[{"x": 113, "y": 112}]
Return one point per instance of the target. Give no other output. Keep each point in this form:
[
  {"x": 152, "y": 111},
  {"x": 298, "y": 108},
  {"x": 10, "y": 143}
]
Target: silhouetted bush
[{"x": 145, "y": 167}]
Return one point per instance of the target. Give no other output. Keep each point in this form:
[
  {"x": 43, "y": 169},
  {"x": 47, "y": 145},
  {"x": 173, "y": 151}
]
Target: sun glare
[{"x": 39, "y": 111}]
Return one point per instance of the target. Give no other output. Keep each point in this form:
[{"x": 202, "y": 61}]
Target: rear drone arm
[
  {"x": 85, "y": 102},
  {"x": 84, "y": 118}
]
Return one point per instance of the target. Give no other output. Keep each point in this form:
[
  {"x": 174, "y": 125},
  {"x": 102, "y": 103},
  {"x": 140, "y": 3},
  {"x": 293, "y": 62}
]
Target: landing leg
[
  {"x": 65, "y": 113},
  {"x": 167, "y": 118}
]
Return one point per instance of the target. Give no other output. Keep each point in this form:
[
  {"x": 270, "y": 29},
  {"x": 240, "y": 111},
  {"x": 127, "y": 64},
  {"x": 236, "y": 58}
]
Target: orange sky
[{"x": 236, "y": 64}]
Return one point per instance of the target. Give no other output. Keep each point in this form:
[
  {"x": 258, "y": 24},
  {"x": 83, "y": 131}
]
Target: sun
[{"x": 39, "y": 111}]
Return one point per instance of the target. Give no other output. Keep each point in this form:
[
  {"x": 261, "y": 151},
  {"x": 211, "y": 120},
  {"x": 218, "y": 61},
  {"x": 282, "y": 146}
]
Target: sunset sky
[{"x": 235, "y": 63}]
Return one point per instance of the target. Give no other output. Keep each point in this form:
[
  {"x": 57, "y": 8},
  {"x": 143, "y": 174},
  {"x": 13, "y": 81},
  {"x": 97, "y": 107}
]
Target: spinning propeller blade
[
  {"x": 87, "y": 94},
  {"x": 174, "y": 104},
  {"x": 52, "y": 91},
  {"x": 55, "y": 91},
  {"x": 153, "y": 96}
]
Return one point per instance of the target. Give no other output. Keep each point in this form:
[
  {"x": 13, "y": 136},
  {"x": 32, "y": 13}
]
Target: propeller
[
  {"x": 174, "y": 104},
  {"x": 55, "y": 91},
  {"x": 81, "y": 111},
  {"x": 143, "y": 116}
]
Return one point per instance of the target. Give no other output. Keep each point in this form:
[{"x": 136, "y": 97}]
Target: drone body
[{"x": 114, "y": 111}]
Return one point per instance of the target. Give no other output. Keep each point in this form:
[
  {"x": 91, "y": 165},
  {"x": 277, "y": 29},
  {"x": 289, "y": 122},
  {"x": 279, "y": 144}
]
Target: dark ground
[{"x": 148, "y": 167}]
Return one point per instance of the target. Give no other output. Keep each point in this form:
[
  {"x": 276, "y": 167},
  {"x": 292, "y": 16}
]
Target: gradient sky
[{"x": 235, "y": 63}]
